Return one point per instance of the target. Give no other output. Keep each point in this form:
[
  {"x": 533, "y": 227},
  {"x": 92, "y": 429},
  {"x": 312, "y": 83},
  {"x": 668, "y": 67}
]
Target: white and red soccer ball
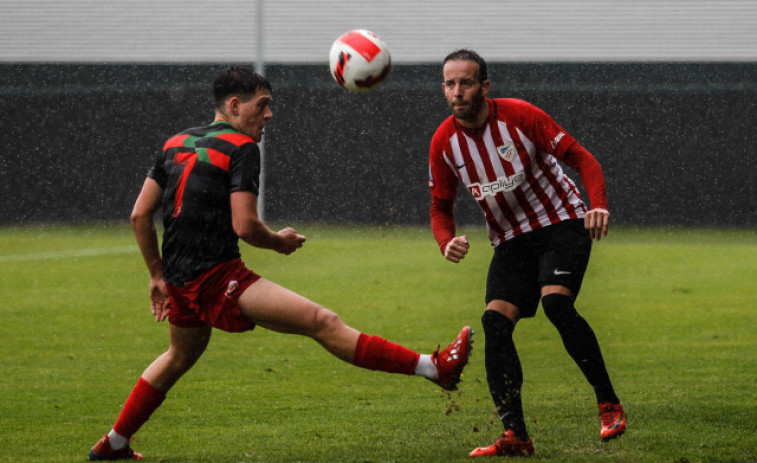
[{"x": 359, "y": 60}]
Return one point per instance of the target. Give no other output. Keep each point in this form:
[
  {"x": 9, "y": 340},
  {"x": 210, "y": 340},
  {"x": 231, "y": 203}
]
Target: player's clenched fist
[
  {"x": 290, "y": 240},
  {"x": 457, "y": 248}
]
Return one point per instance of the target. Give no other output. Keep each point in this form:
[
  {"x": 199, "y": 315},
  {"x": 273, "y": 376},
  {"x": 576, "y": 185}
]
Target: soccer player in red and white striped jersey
[{"x": 505, "y": 152}]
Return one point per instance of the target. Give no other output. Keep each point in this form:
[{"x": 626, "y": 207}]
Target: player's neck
[{"x": 221, "y": 117}]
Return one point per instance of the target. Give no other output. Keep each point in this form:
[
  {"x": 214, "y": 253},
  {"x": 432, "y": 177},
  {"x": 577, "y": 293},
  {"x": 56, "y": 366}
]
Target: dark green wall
[{"x": 674, "y": 139}]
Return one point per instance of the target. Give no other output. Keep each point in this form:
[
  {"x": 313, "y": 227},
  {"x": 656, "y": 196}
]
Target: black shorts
[{"x": 553, "y": 255}]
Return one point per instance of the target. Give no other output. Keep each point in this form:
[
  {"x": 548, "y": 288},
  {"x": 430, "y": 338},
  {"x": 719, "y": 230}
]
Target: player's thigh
[
  {"x": 512, "y": 277},
  {"x": 277, "y": 308},
  {"x": 564, "y": 263}
]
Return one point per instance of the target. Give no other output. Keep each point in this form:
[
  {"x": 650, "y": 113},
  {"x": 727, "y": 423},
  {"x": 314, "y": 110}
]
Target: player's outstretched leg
[
  {"x": 276, "y": 308},
  {"x": 441, "y": 367}
]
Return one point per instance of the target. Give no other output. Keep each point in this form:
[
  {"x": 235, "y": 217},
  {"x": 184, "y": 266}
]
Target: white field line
[{"x": 69, "y": 254}]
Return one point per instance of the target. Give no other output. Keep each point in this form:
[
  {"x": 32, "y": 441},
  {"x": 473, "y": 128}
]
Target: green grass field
[{"x": 675, "y": 311}]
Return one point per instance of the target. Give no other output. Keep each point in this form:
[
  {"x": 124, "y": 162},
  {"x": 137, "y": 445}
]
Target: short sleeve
[
  {"x": 244, "y": 169},
  {"x": 158, "y": 172}
]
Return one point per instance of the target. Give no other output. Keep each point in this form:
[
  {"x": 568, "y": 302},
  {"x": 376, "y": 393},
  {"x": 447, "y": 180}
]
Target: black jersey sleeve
[
  {"x": 158, "y": 172},
  {"x": 244, "y": 169}
]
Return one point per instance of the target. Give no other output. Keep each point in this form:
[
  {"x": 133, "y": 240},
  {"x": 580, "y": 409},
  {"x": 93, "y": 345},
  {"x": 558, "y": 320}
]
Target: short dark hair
[
  {"x": 237, "y": 80},
  {"x": 465, "y": 54}
]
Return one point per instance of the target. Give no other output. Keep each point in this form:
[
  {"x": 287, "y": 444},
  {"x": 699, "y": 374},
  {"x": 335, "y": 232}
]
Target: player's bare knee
[
  {"x": 181, "y": 360},
  {"x": 326, "y": 322}
]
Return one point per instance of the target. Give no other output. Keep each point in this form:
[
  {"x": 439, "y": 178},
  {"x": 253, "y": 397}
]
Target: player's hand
[
  {"x": 290, "y": 241},
  {"x": 159, "y": 299},
  {"x": 597, "y": 221},
  {"x": 456, "y": 249}
]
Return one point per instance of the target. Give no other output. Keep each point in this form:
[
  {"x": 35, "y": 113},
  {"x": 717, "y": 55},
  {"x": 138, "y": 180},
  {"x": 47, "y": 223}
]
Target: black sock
[
  {"x": 581, "y": 343},
  {"x": 503, "y": 371}
]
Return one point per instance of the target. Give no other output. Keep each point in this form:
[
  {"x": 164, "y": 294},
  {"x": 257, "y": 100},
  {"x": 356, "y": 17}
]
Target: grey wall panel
[{"x": 674, "y": 138}]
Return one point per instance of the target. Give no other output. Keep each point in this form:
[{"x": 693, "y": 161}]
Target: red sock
[
  {"x": 376, "y": 353},
  {"x": 142, "y": 402}
]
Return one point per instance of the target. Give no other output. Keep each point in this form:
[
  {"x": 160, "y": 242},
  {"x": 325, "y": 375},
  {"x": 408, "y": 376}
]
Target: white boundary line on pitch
[{"x": 68, "y": 254}]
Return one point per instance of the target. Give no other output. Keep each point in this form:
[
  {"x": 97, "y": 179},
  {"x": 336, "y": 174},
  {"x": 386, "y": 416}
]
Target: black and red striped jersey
[
  {"x": 198, "y": 170},
  {"x": 510, "y": 168}
]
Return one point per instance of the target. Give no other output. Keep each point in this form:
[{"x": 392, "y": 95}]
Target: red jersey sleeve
[
  {"x": 442, "y": 221},
  {"x": 442, "y": 180},
  {"x": 442, "y": 183},
  {"x": 582, "y": 161}
]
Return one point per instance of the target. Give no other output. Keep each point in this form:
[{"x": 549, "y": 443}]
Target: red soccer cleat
[
  {"x": 507, "y": 444},
  {"x": 613, "y": 420},
  {"x": 102, "y": 451},
  {"x": 451, "y": 361}
]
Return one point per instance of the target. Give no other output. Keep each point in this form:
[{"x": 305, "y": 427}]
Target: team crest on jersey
[{"x": 507, "y": 152}]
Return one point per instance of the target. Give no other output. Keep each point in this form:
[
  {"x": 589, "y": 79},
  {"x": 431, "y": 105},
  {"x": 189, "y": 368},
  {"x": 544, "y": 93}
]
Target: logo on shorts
[{"x": 232, "y": 286}]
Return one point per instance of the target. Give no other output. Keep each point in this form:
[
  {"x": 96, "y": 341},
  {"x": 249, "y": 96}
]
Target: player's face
[
  {"x": 466, "y": 95},
  {"x": 253, "y": 115}
]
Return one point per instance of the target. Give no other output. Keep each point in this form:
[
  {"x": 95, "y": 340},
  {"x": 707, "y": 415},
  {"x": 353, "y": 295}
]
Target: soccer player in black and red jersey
[
  {"x": 206, "y": 181},
  {"x": 505, "y": 153}
]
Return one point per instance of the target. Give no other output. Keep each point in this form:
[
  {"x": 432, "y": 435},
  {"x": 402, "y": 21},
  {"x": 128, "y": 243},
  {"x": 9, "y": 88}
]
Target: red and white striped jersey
[{"x": 510, "y": 168}]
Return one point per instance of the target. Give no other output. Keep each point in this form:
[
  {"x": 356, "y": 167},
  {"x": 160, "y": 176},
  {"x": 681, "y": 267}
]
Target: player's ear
[
  {"x": 485, "y": 86},
  {"x": 232, "y": 105}
]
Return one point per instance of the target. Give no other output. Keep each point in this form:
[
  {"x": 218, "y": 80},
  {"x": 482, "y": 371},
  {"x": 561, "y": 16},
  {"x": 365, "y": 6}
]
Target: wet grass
[{"x": 673, "y": 310}]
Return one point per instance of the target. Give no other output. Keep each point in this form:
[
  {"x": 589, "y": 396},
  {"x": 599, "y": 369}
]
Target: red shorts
[{"x": 211, "y": 298}]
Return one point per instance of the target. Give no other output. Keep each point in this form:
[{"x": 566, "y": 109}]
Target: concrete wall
[{"x": 675, "y": 139}]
